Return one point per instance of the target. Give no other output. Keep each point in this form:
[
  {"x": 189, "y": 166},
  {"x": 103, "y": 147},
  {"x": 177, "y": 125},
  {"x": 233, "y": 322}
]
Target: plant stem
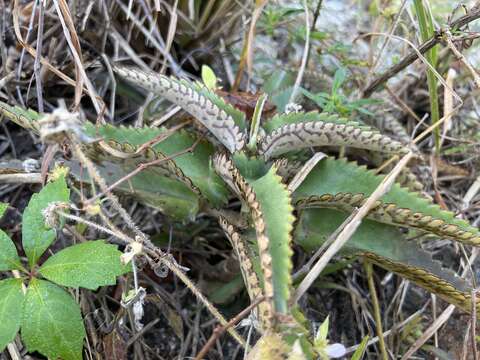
[
  {"x": 376, "y": 309},
  {"x": 425, "y": 22}
]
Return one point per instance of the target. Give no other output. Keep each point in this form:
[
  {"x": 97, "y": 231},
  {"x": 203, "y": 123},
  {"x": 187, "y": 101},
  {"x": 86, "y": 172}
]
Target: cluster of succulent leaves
[
  {"x": 35, "y": 302},
  {"x": 255, "y": 162}
]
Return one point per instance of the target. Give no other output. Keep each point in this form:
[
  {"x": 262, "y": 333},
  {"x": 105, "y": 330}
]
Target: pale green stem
[{"x": 425, "y": 21}]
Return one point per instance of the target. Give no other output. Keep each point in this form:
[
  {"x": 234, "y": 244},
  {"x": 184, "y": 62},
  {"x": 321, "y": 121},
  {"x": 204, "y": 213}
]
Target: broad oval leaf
[
  {"x": 36, "y": 235},
  {"x": 89, "y": 265},
  {"x": 208, "y": 77},
  {"x": 11, "y": 307},
  {"x": 8, "y": 253},
  {"x": 52, "y": 323}
]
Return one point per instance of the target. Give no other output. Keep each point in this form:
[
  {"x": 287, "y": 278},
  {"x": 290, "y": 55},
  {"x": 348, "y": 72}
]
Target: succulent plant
[{"x": 255, "y": 162}]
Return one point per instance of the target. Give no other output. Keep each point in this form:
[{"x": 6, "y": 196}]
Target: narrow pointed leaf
[
  {"x": 192, "y": 168},
  {"x": 51, "y": 322},
  {"x": 277, "y": 211},
  {"x": 88, "y": 265},
  {"x": 388, "y": 247},
  {"x": 11, "y": 307},
  {"x": 268, "y": 201},
  {"x": 344, "y": 186},
  {"x": 25, "y": 118},
  {"x": 36, "y": 235},
  {"x": 223, "y": 121},
  {"x": 301, "y": 135},
  {"x": 250, "y": 273}
]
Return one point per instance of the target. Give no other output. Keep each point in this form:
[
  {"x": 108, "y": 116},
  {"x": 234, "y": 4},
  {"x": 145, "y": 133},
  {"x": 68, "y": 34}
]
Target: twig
[
  {"x": 393, "y": 330},
  {"x": 350, "y": 227},
  {"x": 247, "y": 51},
  {"x": 387, "y": 39},
  {"x": 473, "y": 319},
  {"x": 29, "y": 178},
  {"x": 219, "y": 330},
  {"x": 306, "y": 49},
  {"x": 473, "y": 14},
  {"x": 304, "y": 171},
  {"x": 461, "y": 57},
  {"x": 376, "y": 309},
  {"x": 36, "y": 64}
]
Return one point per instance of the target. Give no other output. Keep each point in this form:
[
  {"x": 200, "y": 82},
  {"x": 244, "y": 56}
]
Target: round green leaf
[
  {"x": 51, "y": 322},
  {"x": 89, "y": 265},
  {"x": 36, "y": 236},
  {"x": 11, "y": 305}
]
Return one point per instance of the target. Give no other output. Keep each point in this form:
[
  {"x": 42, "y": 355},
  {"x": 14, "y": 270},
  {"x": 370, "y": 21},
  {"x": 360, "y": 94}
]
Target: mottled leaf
[
  {"x": 343, "y": 185},
  {"x": 388, "y": 247},
  {"x": 274, "y": 200},
  {"x": 301, "y": 135},
  {"x": 223, "y": 121},
  {"x": 25, "y": 118},
  {"x": 193, "y": 166}
]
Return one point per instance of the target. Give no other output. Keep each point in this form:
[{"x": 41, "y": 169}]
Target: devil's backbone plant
[
  {"x": 265, "y": 163},
  {"x": 35, "y": 300}
]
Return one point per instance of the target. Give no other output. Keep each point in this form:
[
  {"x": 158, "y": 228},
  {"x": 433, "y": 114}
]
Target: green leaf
[
  {"x": 208, "y": 77},
  {"x": 223, "y": 120},
  {"x": 150, "y": 187},
  {"x": 323, "y": 330},
  {"x": 36, "y": 235},
  {"x": 11, "y": 306},
  {"x": 194, "y": 165},
  {"x": 89, "y": 265},
  {"x": 358, "y": 354},
  {"x": 277, "y": 211},
  {"x": 51, "y": 322},
  {"x": 348, "y": 184},
  {"x": 386, "y": 246},
  {"x": 25, "y": 118},
  {"x": 3, "y": 207},
  {"x": 338, "y": 79},
  {"x": 8, "y": 253}
]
